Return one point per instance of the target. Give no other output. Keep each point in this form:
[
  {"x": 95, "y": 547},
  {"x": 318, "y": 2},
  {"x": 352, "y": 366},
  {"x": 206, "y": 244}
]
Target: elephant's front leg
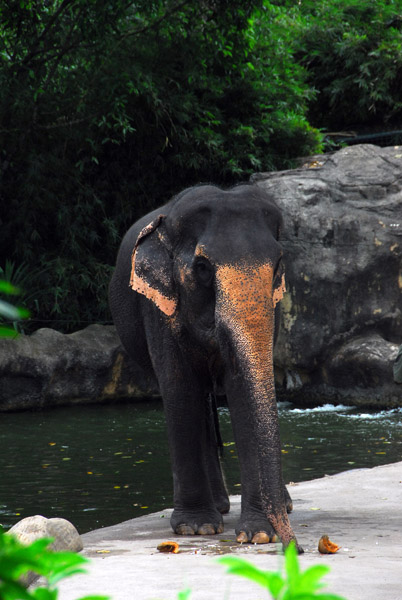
[
  {"x": 265, "y": 501},
  {"x": 194, "y": 511},
  {"x": 186, "y": 410}
]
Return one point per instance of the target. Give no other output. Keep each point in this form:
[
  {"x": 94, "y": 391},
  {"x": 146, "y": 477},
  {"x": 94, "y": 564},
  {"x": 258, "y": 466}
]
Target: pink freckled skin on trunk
[{"x": 245, "y": 305}]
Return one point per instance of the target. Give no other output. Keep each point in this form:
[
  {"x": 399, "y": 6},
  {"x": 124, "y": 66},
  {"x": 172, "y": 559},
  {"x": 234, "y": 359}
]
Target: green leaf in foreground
[
  {"x": 8, "y": 332},
  {"x": 295, "y": 584},
  {"x": 8, "y": 288},
  {"x": 268, "y": 579},
  {"x": 17, "y": 559},
  {"x": 13, "y": 313}
]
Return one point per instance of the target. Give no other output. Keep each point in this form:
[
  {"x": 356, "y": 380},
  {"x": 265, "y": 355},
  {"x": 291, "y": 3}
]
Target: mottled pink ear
[
  {"x": 279, "y": 286},
  {"x": 151, "y": 268}
]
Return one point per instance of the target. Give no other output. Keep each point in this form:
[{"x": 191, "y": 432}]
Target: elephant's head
[
  {"x": 212, "y": 264},
  {"x": 212, "y": 248}
]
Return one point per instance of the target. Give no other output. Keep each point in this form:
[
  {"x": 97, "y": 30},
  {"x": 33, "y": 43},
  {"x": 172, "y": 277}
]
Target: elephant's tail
[{"x": 215, "y": 416}]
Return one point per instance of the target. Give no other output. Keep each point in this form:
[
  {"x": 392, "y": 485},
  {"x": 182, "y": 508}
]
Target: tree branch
[
  {"x": 45, "y": 32},
  {"x": 155, "y": 23}
]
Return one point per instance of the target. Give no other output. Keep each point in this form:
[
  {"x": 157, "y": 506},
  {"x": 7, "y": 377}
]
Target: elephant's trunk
[{"x": 245, "y": 323}]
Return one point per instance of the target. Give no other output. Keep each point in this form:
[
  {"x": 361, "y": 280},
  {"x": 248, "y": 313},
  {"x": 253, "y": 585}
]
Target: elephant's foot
[
  {"x": 256, "y": 530},
  {"x": 187, "y": 522}
]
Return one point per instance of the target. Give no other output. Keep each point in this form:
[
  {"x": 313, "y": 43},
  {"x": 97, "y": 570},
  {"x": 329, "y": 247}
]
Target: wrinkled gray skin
[{"x": 205, "y": 273}]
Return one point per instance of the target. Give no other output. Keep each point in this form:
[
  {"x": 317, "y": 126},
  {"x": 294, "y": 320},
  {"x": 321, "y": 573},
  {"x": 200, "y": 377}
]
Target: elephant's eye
[
  {"x": 279, "y": 270},
  {"x": 204, "y": 272}
]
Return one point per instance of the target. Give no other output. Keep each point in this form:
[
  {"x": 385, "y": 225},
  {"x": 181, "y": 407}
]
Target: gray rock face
[
  {"x": 64, "y": 534},
  {"x": 49, "y": 368},
  {"x": 342, "y": 315}
]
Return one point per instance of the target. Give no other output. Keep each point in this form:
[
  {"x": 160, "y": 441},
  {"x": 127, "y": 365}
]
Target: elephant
[{"x": 194, "y": 297}]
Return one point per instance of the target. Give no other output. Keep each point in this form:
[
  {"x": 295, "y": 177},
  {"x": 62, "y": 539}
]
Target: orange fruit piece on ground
[{"x": 325, "y": 546}]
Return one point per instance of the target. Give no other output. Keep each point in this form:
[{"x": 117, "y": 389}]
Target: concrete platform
[{"x": 361, "y": 510}]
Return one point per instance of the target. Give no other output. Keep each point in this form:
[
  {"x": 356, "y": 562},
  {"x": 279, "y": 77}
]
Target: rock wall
[
  {"x": 49, "y": 368},
  {"x": 341, "y": 316},
  {"x": 342, "y": 239}
]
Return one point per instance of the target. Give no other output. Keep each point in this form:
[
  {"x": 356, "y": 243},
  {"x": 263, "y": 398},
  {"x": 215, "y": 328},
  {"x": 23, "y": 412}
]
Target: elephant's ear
[
  {"x": 151, "y": 268},
  {"x": 279, "y": 286}
]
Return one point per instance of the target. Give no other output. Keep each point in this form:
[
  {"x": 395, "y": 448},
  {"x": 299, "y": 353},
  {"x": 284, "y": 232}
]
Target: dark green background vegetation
[{"x": 108, "y": 108}]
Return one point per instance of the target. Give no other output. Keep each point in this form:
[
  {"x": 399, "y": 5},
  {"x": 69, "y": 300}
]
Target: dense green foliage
[
  {"x": 352, "y": 51},
  {"x": 109, "y": 108}
]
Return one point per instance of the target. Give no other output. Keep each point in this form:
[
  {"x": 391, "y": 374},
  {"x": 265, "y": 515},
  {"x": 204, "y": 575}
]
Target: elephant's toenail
[
  {"x": 184, "y": 530},
  {"x": 206, "y": 529},
  {"x": 260, "y": 538},
  {"x": 242, "y": 538}
]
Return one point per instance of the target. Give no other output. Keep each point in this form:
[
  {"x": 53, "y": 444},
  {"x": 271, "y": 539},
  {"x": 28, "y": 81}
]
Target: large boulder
[
  {"x": 342, "y": 239},
  {"x": 49, "y": 368}
]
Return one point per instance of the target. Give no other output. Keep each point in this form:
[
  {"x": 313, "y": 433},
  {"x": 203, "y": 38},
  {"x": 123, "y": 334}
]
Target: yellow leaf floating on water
[
  {"x": 103, "y": 552},
  {"x": 170, "y": 547}
]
